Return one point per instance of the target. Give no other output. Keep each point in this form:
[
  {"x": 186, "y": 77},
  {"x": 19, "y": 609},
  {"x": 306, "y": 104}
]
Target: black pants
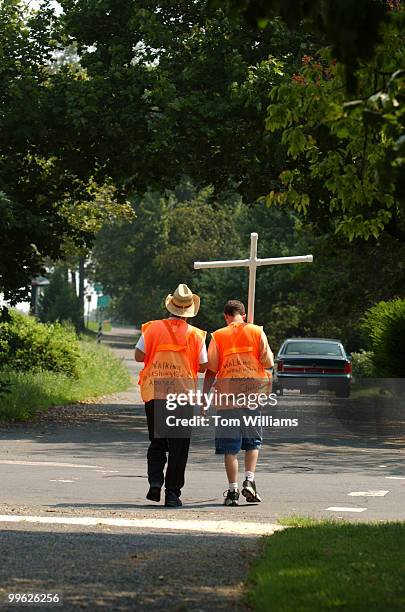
[{"x": 175, "y": 448}]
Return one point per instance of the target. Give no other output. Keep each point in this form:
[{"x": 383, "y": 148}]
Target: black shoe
[
  {"x": 249, "y": 491},
  {"x": 153, "y": 494},
  {"x": 172, "y": 500},
  {"x": 231, "y": 498}
]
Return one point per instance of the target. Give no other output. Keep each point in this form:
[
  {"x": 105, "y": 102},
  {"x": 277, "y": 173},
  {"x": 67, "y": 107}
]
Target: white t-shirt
[{"x": 203, "y": 352}]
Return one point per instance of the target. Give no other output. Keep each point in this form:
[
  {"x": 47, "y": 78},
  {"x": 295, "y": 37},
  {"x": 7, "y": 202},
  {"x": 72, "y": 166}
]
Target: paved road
[{"x": 89, "y": 461}]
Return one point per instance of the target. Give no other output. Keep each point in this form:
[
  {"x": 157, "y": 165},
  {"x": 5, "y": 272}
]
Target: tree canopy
[
  {"x": 346, "y": 157},
  {"x": 141, "y": 262},
  {"x": 257, "y": 103},
  {"x": 351, "y": 28},
  {"x": 43, "y": 192}
]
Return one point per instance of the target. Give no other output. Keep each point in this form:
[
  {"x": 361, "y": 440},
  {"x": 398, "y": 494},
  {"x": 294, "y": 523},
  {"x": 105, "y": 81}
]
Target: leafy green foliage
[
  {"x": 362, "y": 363},
  {"x": 99, "y": 373},
  {"x": 140, "y": 263},
  {"x": 386, "y": 109},
  {"x": 352, "y": 28},
  {"x": 49, "y": 199},
  {"x": 60, "y": 302},
  {"x": 384, "y": 325},
  {"x": 194, "y": 97},
  {"x": 30, "y": 225},
  {"x": 117, "y": 99},
  {"x": 172, "y": 89},
  {"x": 345, "y": 157},
  {"x": 27, "y": 345}
]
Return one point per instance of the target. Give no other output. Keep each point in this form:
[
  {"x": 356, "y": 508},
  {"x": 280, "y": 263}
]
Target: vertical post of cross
[{"x": 252, "y": 277}]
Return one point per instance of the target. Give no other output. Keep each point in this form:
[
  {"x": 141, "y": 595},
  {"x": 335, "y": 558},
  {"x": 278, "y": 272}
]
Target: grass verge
[
  {"x": 100, "y": 373},
  {"x": 325, "y": 565},
  {"x": 93, "y": 326}
]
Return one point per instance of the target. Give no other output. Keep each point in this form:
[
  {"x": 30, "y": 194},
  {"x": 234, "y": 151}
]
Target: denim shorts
[
  {"x": 231, "y": 439},
  {"x": 232, "y": 446}
]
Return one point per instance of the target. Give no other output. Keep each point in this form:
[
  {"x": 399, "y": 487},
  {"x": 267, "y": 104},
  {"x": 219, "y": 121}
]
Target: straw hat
[{"x": 183, "y": 302}]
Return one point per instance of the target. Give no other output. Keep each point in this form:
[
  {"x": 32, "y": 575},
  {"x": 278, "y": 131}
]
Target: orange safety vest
[
  {"x": 172, "y": 355},
  {"x": 239, "y": 358}
]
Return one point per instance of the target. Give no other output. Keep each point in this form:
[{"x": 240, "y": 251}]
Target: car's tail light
[
  {"x": 348, "y": 367},
  {"x": 280, "y": 366}
]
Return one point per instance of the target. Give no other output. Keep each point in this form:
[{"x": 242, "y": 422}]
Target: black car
[{"x": 311, "y": 364}]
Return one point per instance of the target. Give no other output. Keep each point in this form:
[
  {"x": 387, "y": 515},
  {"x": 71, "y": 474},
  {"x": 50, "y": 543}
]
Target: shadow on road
[
  {"x": 126, "y": 571},
  {"x": 325, "y": 441}
]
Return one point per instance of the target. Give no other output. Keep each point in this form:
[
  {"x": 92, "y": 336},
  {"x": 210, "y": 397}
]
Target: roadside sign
[{"x": 103, "y": 301}]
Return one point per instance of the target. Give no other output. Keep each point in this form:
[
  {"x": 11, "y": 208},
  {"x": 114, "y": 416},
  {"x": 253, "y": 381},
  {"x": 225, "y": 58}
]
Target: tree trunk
[{"x": 73, "y": 279}]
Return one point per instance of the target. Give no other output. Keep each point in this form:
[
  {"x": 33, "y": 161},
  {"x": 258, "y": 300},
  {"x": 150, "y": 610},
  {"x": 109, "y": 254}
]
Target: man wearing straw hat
[{"x": 173, "y": 352}]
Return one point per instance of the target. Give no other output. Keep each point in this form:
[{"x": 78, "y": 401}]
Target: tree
[
  {"x": 141, "y": 262},
  {"x": 198, "y": 93},
  {"x": 60, "y": 302},
  {"x": 384, "y": 327},
  {"x": 42, "y": 197},
  {"x": 27, "y": 215},
  {"x": 345, "y": 158},
  {"x": 168, "y": 92},
  {"x": 351, "y": 28}
]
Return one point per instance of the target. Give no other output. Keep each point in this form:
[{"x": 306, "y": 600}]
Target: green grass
[
  {"x": 325, "y": 565},
  {"x": 93, "y": 326},
  {"x": 360, "y": 390},
  {"x": 101, "y": 373}
]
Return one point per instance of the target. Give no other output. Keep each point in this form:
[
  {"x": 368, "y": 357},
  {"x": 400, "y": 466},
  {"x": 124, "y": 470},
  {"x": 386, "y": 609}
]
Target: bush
[
  {"x": 363, "y": 364},
  {"x": 384, "y": 325},
  {"x": 26, "y": 344},
  {"x": 100, "y": 373}
]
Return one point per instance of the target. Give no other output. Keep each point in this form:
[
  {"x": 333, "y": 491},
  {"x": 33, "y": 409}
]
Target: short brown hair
[{"x": 234, "y": 307}]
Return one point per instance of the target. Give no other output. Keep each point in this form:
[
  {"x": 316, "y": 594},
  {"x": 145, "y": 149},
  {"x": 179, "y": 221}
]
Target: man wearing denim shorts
[{"x": 236, "y": 352}]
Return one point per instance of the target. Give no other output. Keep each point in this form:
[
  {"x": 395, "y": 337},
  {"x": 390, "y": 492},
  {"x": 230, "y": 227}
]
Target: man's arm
[
  {"x": 139, "y": 355},
  {"x": 203, "y": 358},
  {"x": 212, "y": 367},
  {"x": 140, "y": 352},
  {"x": 266, "y": 354},
  {"x": 208, "y": 381}
]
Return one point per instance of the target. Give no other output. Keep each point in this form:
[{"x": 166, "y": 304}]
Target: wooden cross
[{"x": 252, "y": 263}]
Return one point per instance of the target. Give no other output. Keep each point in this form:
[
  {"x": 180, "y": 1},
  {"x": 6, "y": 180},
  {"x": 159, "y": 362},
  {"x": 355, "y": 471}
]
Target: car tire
[{"x": 343, "y": 391}]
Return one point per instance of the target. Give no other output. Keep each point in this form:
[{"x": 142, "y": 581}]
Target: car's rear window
[{"x": 331, "y": 349}]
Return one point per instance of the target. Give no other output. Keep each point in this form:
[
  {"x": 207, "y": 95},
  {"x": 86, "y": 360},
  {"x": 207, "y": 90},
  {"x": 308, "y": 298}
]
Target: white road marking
[
  {"x": 396, "y": 477},
  {"x": 108, "y": 471},
  {"x": 368, "y": 493},
  {"x": 50, "y": 464},
  {"x": 343, "y": 509},
  {"x": 382, "y": 466},
  {"x": 241, "y": 528},
  {"x": 61, "y": 481}
]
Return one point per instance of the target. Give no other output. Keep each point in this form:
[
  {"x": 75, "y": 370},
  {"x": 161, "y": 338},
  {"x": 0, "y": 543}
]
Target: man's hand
[
  {"x": 203, "y": 408},
  {"x": 208, "y": 382}
]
